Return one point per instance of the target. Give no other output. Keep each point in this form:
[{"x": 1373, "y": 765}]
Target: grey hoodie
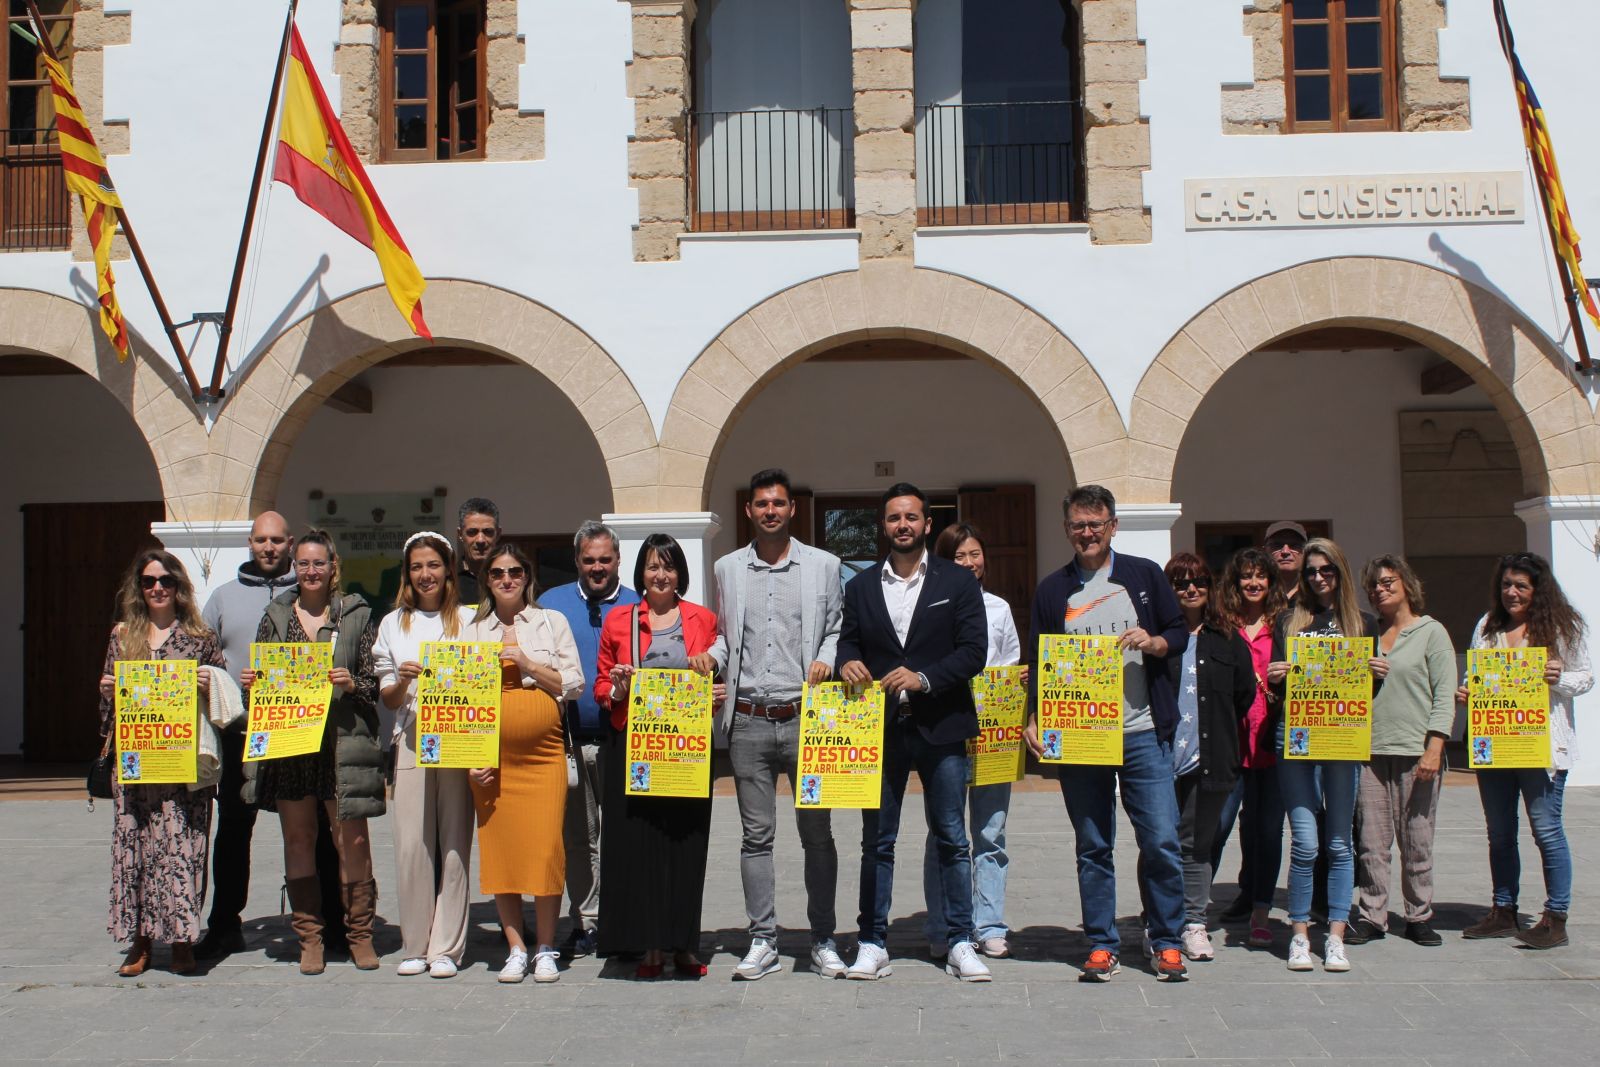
[{"x": 234, "y": 611}]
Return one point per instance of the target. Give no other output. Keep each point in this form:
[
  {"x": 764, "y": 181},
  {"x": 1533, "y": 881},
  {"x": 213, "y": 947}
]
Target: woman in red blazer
[{"x": 653, "y": 851}]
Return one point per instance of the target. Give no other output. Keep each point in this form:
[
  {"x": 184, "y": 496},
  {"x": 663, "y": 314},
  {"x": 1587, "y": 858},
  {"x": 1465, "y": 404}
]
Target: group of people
[{"x": 1204, "y": 675}]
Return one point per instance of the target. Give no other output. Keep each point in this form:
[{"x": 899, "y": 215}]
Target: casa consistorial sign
[{"x": 1353, "y": 200}]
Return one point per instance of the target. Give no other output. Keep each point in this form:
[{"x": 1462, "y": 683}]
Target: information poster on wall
[
  {"x": 1001, "y": 700},
  {"x": 1508, "y": 708},
  {"x": 458, "y": 704},
  {"x": 157, "y": 708},
  {"x": 1328, "y": 700},
  {"x": 669, "y": 734},
  {"x": 1080, "y": 699},
  {"x": 371, "y": 529},
  {"x": 841, "y": 747},
  {"x": 288, "y": 699}
]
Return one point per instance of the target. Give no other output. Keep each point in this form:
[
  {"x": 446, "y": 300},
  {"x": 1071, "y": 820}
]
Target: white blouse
[
  {"x": 545, "y": 637},
  {"x": 395, "y": 646}
]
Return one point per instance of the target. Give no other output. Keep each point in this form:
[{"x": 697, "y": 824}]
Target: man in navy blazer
[{"x": 917, "y": 625}]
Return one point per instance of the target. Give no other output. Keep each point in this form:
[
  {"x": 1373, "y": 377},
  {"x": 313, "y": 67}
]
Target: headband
[{"x": 425, "y": 534}]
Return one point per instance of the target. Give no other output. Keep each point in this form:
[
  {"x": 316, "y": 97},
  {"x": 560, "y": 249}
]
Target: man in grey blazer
[{"x": 779, "y": 604}]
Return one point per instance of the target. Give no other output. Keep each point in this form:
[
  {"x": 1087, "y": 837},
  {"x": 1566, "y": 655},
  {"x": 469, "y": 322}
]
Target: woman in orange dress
[{"x": 520, "y": 804}]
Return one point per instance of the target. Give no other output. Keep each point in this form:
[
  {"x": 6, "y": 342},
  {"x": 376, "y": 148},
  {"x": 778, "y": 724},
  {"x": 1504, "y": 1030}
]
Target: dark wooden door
[
  {"x": 1004, "y": 515},
  {"x": 74, "y": 556}
]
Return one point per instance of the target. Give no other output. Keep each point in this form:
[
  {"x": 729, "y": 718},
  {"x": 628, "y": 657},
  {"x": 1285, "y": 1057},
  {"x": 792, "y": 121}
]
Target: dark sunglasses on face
[
  {"x": 514, "y": 573},
  {"x": 165, "y": 581},
  {"x": 1327, "y": 572},
  {"x": 1199, "y": 582}
]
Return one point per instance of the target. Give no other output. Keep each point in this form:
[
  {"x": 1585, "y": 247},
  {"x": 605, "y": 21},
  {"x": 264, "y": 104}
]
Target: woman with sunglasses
[
  {"x": 520, "y": 803},
  {"x": 432, "y": 805},
  {"x": 1325, "y": 607},
  {"x": 346, "y": 775},
  {"x": 1529, "y": 610},
  {"x": 160, "y": 832},
  {"x": 1217, "y": 685}
]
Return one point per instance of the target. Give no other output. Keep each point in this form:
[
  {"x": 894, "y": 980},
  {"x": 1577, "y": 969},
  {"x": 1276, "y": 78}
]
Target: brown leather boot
[
  {"x": 137, "y": 959},
  {"x": 360, "y": 908},
  {"x": 182, "y": 957},
  {"x": 305, "y": 902},
  {"x": 1548, "y": 932},
  {"x": 1500, "y": 922}
]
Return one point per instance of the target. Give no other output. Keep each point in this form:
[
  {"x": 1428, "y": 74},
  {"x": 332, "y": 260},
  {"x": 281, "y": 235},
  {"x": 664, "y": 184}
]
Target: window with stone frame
[
  {"x": 1341, "y": 58},
  {"x": 34, "y": 210},
  {"x": 432, "y": 80}
]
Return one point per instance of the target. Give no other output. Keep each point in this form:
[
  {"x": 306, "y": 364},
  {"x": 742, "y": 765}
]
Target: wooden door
[
  {"x": 74, "y": 556},
  {"x": 1004, "y": 515}
]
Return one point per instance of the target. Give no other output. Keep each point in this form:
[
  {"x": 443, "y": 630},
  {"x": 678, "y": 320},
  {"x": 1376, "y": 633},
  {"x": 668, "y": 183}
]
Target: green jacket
[{"x": 353, "y": 717}]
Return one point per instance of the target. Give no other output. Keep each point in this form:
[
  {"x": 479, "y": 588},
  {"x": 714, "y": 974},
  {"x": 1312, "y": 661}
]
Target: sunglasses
[
  {"x": 1199, "y": 582},
  {"x": 165, "y": 581},
  {"x": 1327, "y": 572},
  {"x": 497, "y": 573}
]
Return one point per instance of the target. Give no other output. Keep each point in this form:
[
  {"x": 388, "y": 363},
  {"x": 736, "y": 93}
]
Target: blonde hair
[
  {"x": 405, "y": 601},
  {"x": 133, "y": 614},
  {"x": 314, "y": 536},
  {"x": 1346, "y": 610}
]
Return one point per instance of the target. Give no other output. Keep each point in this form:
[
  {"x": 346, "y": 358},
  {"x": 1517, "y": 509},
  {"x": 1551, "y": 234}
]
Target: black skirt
[{"x": 652, "y": 864}]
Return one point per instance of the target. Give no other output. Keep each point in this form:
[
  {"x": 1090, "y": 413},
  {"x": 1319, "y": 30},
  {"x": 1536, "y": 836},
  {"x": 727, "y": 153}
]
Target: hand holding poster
[
  {"x": 1001, "y": 700},
  {"x": 1328, "y": 703},
  {"x": 458, "y": 704},
  {"x": 669, "y": 734},
  {"x": 1080, "y": 699},
  {"x": 1508, "y": 708},
  {"x": 288, "y": 699},
  {"x": 841, "y": 747},
  {"x": 157, "y": 721}
]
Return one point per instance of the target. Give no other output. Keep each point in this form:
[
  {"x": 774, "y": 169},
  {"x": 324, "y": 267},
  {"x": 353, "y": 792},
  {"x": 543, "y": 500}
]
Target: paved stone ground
[{"x": 1462, "y": 1004}]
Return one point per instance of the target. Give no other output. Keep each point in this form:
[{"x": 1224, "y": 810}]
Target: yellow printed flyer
[
  {"x": 1508, "y": 708},
  {"x": 1001, "y": 700},
  {"x": 841, "y": 747},
  {"x": 1080, "y": 699},
  {"x": 1328, "y": 703},
  {"x": 458, "y": 704},
  {"x": 288, "y": 700},
  {"x": 669, "y": 734},
  {"x": 158, "y": 716}
]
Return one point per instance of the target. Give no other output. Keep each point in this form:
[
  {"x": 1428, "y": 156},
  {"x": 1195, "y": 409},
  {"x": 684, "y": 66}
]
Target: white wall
[{"x": 47, "y": 463}]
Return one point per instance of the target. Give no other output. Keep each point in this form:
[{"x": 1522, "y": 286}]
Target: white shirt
[
  {"x": 395, "y": 646},
  {"x": 900, "y": 594},
  {"x": 1005, "y": 648}
]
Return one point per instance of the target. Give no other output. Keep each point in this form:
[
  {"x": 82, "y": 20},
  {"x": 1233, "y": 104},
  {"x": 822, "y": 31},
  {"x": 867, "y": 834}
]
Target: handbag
[{"x": 98, "y": 781}]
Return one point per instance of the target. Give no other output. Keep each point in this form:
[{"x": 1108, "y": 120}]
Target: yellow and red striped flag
[
  {"x": 85, "y": 169},
  {"x": 1546, "y": 175},
  {"x": 315, "y": 159}
]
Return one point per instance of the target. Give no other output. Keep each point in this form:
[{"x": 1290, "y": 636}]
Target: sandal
[{"x": 1260, "y": 937}]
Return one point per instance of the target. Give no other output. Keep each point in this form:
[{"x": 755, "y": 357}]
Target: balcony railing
[
  {"x": 33, "y": 194},
  {"x": 997, "y": 164},
  {"x": 772, "y": 170}
]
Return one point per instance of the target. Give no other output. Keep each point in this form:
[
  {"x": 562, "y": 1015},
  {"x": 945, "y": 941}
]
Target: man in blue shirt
[{"x": 585, "y": 603}]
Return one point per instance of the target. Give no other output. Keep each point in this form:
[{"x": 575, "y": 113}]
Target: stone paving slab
[{"x": 1400, "y": 1006}]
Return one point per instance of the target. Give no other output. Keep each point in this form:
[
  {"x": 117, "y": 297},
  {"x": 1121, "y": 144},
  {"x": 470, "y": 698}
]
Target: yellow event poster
[
  {"x": 288, "y": 699},
  {"x": 1080, "y": 699},
  {"x": 1508, "y": 708},
  {"x": 1001, "y": 700},
  {"x": 669, "y": 734},
  {"x": 458, "y": 704},
  {"x": 841, "y": 747},
  {"x": 158, "y": 713},
  {"x": 1328, "y": 705}
]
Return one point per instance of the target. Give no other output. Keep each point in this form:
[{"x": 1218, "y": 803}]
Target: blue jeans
[
  {"x": 943, "y": 772},
  {"x": 986, "y": 810},
  {"x": 1542, "y": 796},
  {"x": 1150, "y": 799},
  {"x": 1306, "y": 785}
]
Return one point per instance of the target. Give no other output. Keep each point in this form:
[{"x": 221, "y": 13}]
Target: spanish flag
[
  {"x": 316, "y": 161},
  {"x": 87, "y": 176},
  {"x": 1536, "y": 132}
]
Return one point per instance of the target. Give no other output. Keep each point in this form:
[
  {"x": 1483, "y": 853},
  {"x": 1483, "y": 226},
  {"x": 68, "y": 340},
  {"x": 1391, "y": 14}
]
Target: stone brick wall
[
  {"x": 885, "y": 123},
  {"x": 1116, "y": 135},
  {"x": 93, "y": 30},
  {"x": 658, "y": 156}
]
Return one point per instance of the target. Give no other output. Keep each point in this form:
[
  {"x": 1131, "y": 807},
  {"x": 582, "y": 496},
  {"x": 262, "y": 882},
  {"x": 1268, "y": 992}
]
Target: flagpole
[
  {"x": 226, "y": 332},
  {"x": 48, "y": 48}
]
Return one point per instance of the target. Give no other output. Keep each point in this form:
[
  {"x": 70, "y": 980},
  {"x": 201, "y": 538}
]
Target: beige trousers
[
  {"x": 433, "y": 823},
  {"x": 1395, "y": 807}
]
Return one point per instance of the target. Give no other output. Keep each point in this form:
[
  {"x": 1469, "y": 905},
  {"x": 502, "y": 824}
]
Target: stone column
[
  {"x": 1563, "y": 529},
  {"x": 659, "y": 81},
  {"x": 1146, "y": 530},
  {"x": 1116, "y": 135},
  {"x": 692, "y": 529},
  {"x": 885, "y": 119},
  {"x": 212, "y": 552},
  {"x": 93, "y": 31}
]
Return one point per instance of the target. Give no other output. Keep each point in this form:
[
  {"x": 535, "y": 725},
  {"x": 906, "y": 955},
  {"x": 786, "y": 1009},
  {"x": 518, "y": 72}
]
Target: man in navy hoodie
[{"x": 1102, "y": 592}]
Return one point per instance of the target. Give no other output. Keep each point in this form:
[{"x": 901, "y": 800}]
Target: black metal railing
[
  {"x": 989, "y": 164},
  {"x": 789, "y": 169},
  {"x": 34, "y": 212}
]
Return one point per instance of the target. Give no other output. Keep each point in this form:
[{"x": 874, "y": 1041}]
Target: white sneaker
[
  {"x": 1333, "y": 957},
  {"x": 967, "y": 965},
  {"x": 544, "y": 965},
  {"x": 414, "y": 965},
  {"x": 996, "y": 948},
  {"x": 443, "y": 967},
  {"x": 516, "y": 968},
  {"x": 825, "y": 961},
  {"x": 872, "y": 963},
  {"x": 1197, "y": 942},
  {"x": 760, "y": 961},
  {"x": 1300, "y": 953}
]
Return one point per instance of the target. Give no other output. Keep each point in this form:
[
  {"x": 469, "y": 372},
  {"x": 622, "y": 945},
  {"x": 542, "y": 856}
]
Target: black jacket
[
  {"x": 1226, "y": 688},
  {"x": 948, "y": 642}
]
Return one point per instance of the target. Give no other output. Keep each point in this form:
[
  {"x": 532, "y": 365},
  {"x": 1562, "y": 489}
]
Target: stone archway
[
  {"x": 1528, "y": 379},
  {"x": 270, "y": 403},
  {"x": 877, "y": 301}
]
